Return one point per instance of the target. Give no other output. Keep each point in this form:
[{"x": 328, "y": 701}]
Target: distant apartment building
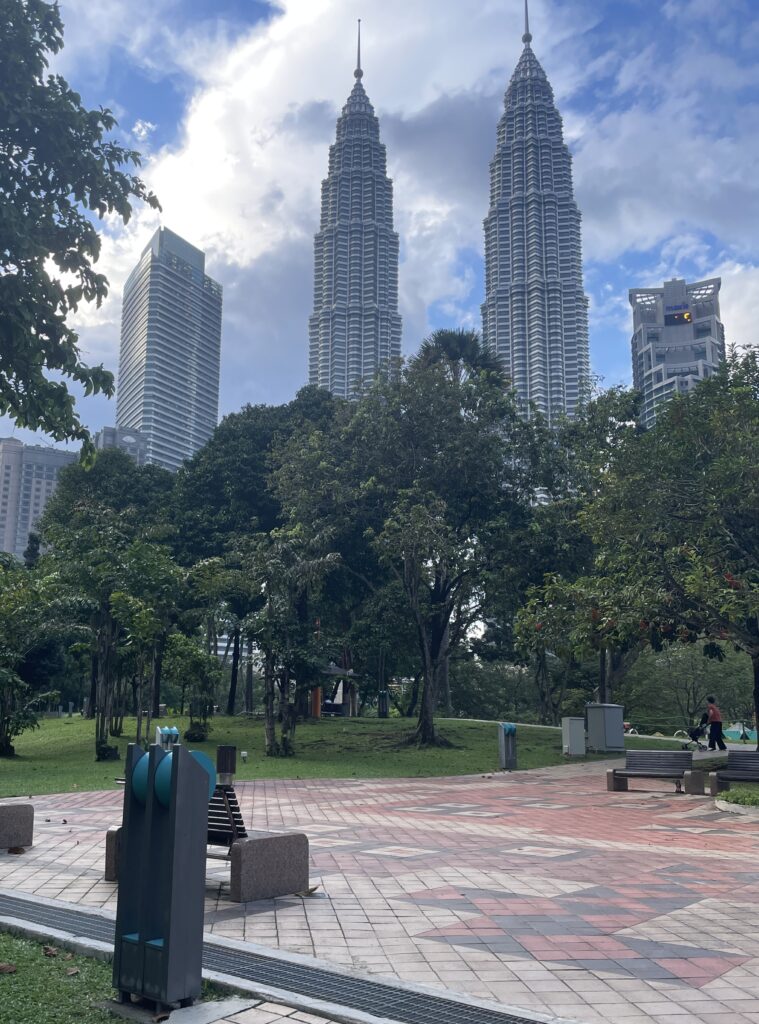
[
  {"x": 28, "y": 476},
  {"x": 678, "y": 340},
  {"x": 168, "y": 385},
  {"x": 130, "y": 441}
]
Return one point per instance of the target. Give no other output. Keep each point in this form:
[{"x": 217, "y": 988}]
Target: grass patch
[
  {"x": 747, "y": 795},
  {"x": 41, "y": 992},
  {"x": 59, "y": 756}
]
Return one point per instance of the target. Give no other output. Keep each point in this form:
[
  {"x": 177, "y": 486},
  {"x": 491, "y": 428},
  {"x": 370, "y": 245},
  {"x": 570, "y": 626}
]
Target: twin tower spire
[{"x": 535, "y": 313}]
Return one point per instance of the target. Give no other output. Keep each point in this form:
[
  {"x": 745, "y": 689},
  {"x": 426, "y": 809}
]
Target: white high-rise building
[
  {"x": 535, "y": 314},
  {"x": 28, "y": 476},
  {"x": 168, "y": 386},
  {"x": 355, "y": 328},
  {"x": 678, "y": 340}
]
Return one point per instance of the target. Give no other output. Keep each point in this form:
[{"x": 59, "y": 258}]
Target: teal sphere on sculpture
[{"x": 140, "y": 779}]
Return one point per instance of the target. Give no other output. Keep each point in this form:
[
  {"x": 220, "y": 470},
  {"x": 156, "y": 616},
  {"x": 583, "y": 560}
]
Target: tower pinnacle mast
[{"x": 527, "y": 37}]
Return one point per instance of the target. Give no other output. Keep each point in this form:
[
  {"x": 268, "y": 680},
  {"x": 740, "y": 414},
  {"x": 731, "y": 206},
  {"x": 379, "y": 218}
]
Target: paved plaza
[{"x": 537, "y": 890}]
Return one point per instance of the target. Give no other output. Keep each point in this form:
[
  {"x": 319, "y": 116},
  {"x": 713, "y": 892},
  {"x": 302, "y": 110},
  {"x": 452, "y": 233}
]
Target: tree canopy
[{"x": 59, "y": 172}]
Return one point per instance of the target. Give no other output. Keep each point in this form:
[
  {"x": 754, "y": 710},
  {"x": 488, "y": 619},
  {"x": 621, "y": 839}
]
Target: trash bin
[
  {"x": 507, "y": 746},
  {"x": 606, "y": 727},
  {"x": 573, "y": 737}
]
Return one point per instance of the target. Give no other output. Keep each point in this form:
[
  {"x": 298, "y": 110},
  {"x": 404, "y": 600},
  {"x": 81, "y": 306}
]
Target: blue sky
[{"x": 233, "y": 104}]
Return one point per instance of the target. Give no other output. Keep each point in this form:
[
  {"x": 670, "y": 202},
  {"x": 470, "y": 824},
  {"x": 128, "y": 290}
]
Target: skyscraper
[
  {"x": 535, "y": 314},
  {"x": 678, "y": 340},
  {"x": 355, "y": 328},
  {"x": 28, "y": 476},
  {"x": 168, "y": 387}
]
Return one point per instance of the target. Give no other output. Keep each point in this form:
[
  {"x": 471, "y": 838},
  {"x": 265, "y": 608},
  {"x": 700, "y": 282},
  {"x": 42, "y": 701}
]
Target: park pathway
[{"x": 537, "y": 890}]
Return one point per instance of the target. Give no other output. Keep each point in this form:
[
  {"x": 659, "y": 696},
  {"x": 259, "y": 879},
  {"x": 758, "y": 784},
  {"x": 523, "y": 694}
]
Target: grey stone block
[
  {"x": 615, "y": 784},
  {"x": 694, "y": 782},
  {"x": 16, "y": 825},
  {"x": 112, "y": 850},
  {"x": 268, "y": 864}
]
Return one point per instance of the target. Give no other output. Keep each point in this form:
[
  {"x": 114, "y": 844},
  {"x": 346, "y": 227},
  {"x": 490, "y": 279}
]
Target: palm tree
[{"x": 460, "y": 351}]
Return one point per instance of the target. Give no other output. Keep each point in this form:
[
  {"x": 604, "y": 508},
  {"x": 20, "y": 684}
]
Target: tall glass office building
[
  {"x": 168, "y": 386},
  {"x": 355, "y": 328},
  {"x": 535, "y": 314}
]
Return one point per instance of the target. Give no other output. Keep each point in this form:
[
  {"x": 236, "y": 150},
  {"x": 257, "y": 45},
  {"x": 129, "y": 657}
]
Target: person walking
[{"x": 714, "y": 718}]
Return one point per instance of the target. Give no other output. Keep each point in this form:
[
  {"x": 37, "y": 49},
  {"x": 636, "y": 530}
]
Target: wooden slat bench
[
  {"x": 676, "y": 765},
  {"x": 262, "y": 865},
  {"x": 742, "y": 766}
]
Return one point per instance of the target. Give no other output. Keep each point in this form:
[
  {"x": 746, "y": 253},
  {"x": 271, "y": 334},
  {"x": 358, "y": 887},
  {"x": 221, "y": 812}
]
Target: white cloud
[
  {"x": 739, "y": 301},
  {"x": 660, "y": 153}
]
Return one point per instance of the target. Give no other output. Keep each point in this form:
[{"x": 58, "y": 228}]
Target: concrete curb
[
  {"x": 747, "y": 812},
  {"x": 342, "y": 1014}
]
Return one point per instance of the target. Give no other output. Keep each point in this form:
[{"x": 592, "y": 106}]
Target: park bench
[
  {"x": 263, "y": 865},
  {"x": 676, "y": 765},
  {"x": 742, "y": 766},
  {"x": 16, "y": 826}
]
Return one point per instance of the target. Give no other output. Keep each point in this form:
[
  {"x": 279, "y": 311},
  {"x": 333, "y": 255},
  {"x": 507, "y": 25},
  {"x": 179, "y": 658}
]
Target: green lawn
[
  {"x": 746, "y": 794},
  {"x": 41, "y": 991},
  {"x": 59, "y": 756}
]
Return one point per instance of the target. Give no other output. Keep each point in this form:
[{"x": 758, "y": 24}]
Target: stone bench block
[
  {"x": 614, "y": 783},
  {"x": 112, "y": 850},
  {"x": 268, "y": 864},
  {"x": 16, "y": 825},
  {"x": 694, "y": 782}
]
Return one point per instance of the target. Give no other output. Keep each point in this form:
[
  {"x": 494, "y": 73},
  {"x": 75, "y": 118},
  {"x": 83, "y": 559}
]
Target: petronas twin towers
[{"x": 535, "y": 313}]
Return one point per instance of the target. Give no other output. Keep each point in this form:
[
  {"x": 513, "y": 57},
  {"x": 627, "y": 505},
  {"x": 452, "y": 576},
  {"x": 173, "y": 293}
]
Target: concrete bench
[
  {"x": 263, "y": 865},
  {"x": 268, "y": 864},
  {"x": 16, "y": 826},
  {"x": 675, "y": 765},
  {"x": 742, "y": 766}
]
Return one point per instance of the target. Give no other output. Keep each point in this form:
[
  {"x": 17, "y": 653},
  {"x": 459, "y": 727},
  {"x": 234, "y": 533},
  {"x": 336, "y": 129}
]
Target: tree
[
  {"x": 223, "y": 492},
  {"x": 58, "y": 169},
  {"x": 460, "y": 352},
  {"x": 287, "y": 568},
  {"x": 677, "y": 515},
  {"x": 429, "y": 482},
  {"x": 673, "y": 519},
  {"x": 35, "y": 609}
]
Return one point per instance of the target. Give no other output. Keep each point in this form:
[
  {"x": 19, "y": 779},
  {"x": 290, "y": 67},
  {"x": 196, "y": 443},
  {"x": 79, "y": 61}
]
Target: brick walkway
[{"x": 538, "y": 890}]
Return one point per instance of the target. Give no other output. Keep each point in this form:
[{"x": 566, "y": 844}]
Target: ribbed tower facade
[
  {"x": 168, "y": 386},
  {"x": 355, "y": 328},
  {"x": 535, "y": 314}
]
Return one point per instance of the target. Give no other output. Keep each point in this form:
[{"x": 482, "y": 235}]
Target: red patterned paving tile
[{"x": 543, "y": 870}]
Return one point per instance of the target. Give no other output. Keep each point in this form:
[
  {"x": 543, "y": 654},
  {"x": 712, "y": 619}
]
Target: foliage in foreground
[
  {"x": 746, "y": 796},
  {"x": 59, "y": 171}
]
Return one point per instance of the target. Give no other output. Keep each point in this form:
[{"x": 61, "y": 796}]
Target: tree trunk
[
  {"x": 249, "y": 678},
  {"x": 107, "y": 631},
  {"x": 158, "y": 648},
  {"x": 232, "y": 701},
  {"x": 425, "y": 734},
  {"x": 414, "y": 699},
  {"x": 755, "y": 664},
  {"x": 603, "y": 680},
  {"x": 93, "y": 686},
  {"x": 270, "y": 731}
]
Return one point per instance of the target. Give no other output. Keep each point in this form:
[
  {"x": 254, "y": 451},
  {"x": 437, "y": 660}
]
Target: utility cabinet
[
  {"x": 573, "y": 737},
  {"x": 606, "y": 729}
]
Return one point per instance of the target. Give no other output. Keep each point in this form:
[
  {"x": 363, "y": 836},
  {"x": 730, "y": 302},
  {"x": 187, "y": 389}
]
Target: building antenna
[
  {"x": 358, "y": 72},
  {"x": 527, "y": 37}
]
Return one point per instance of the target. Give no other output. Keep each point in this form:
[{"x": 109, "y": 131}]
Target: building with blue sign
[{"x": 678, "y": 340}]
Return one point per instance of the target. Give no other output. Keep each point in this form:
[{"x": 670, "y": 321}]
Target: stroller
[{"x": 697, "y": 734}]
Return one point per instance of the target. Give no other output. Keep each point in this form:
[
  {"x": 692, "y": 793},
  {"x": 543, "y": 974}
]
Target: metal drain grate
[{"x": 354, "y": 993}]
